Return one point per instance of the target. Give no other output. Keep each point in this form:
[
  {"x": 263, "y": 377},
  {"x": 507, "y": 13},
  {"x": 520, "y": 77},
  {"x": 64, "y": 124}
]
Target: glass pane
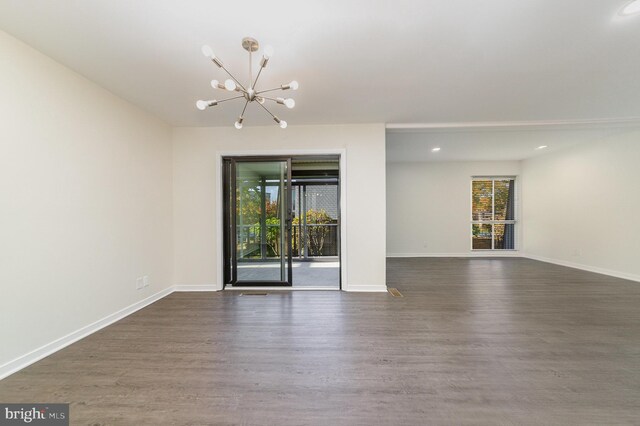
[
  {"x": 260, "y": 211},
  {"x": 504, "y": 236},
  {"x": 273, "y": 240},
  {"x": 481, "y": 239},
  {"x": 482, "y": 197},
  {"x": 504, "y": 200},
  {"x": 296, "y": 228},
  {"x": 321, "y": 203}
]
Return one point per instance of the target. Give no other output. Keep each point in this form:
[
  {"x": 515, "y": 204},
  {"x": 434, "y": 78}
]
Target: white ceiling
[
  {"x": 492, "y": 143},
  {"x": 400, "y": 61}
]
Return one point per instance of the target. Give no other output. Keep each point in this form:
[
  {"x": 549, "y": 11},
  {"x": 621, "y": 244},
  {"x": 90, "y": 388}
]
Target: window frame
[{"x": 493, "y": 222}]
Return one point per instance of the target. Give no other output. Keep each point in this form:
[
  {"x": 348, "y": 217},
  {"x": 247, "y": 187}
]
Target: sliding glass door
[
  {"x": 281, "y": 221},
  {"x": 259, "y": 199}
]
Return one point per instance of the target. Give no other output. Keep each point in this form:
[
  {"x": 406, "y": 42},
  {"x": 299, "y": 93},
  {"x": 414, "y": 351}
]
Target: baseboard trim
[
  {"x": 195, "y": 287},
  {"x": 23, "y": 361},
  {"x": 587, "y": 268},
  {"x": 367, "y": 288},
  {"x": 471, "y": 254}
]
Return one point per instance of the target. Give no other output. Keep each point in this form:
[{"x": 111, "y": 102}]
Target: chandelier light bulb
[
  {"x": 292, "y": 85},
  {"x": 260, "y": 100},
  {"x": 268, "y": 51},
  {"x": 230, "y": 85},
  {"x": 202, "y": 105},
  {"x": 631, "y": 8},
  {"x": 215, "y": 84},
  {"x": 208, "y": 52},
  {"x": 289, "y": 103},
  {"x": 238, "y": 125},
  {"x": 283, "y": 124}
]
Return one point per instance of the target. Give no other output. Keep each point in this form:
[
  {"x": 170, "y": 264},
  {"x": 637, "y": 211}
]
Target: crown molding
[{"x": 514, "y": 125}]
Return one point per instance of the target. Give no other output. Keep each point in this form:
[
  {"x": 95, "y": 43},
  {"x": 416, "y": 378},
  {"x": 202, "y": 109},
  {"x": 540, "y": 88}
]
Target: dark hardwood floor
[{"x": 473, "y": 341}]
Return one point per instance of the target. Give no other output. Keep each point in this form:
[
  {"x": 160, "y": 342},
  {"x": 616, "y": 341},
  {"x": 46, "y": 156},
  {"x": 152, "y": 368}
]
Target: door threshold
[{"x": 260, "y": 288}]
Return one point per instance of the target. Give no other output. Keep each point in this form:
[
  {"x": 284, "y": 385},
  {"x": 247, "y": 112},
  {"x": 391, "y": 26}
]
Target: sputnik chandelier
[{"x": 248, "y": 92}]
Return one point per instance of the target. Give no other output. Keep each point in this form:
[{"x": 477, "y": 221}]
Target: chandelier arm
[
  {"x": 271, "y": 99},
  {"x": 230, "y": 99},
  {"x": 269, "y": 90},
  {"x": 244, "y": 109},
  {"x": 265, "y": 108},
  {"x": 257, "y": 77},
  {"x": 234, "y": 79},
  {"x": 250, "y": 69}
]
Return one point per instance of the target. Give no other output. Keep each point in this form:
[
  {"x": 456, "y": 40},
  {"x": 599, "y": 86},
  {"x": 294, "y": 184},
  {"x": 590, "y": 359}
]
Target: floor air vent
[{"x": 394, "y": 292}]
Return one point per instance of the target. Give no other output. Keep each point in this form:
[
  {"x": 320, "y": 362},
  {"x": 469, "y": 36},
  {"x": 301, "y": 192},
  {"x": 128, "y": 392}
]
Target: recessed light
[
  {"x": 436, "y": 149},
  {"x": 631, "y": 8},
  {"x": 542, "y": 147}
]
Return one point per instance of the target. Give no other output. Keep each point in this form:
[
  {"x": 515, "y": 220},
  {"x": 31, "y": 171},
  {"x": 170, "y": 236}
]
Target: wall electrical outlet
[
  {"x": 139, "y": 283},
  {"x": 145, "y": 281}
]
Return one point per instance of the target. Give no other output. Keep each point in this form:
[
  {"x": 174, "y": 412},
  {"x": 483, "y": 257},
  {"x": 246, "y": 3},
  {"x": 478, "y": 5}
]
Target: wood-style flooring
[{"x": 473, "y": 341}]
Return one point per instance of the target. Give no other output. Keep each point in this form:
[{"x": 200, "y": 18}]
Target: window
[{"x": 493, "y": 216}]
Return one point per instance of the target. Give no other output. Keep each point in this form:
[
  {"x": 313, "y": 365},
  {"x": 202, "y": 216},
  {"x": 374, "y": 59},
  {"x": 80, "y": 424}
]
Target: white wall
[
  {"x": 582, "y": 206},
  {"x": 196, "y": 194},
  {"x": 85, "y": 202},
  {"x": 429, "y": 206}
]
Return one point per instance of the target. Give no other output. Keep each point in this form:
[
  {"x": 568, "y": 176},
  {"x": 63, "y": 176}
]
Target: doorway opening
[{"x": 281, "y": 221}]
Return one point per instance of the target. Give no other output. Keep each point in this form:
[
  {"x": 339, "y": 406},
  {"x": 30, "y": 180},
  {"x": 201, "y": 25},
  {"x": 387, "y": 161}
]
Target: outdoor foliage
[
  {"x": 316, "y": 234},
  {"x": 483, "y": 197},
  {"x": 249, "y": 205},
  {"x": 273, "y": 236},
  {"x": 249, "y": 201}
]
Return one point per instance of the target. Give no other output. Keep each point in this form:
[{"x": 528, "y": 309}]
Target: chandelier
[{"x": 247, "y": 92}]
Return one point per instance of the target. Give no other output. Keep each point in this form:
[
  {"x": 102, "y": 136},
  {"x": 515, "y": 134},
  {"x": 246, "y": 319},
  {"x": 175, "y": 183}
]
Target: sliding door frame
[
  {"x": 219, "y": 207},
  {"x": 231, "y": 236}
]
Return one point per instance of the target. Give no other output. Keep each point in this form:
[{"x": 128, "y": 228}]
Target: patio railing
[{"x": 313, "y": 240}]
